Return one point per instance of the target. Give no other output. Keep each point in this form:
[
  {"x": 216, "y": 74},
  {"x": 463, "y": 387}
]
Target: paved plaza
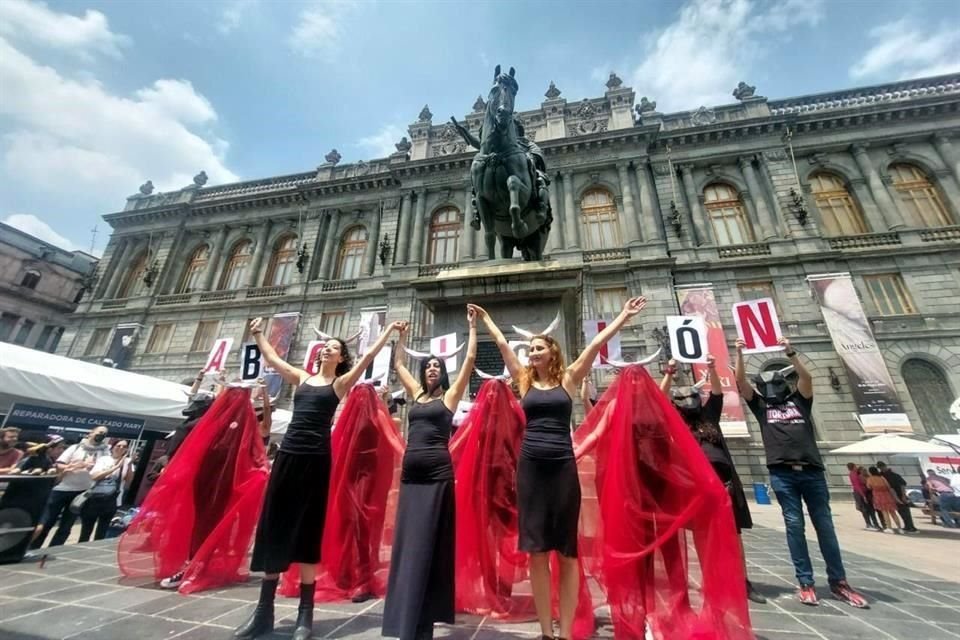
[{"x": 80, "y": 595}]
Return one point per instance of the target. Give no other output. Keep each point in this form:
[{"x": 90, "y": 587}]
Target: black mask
[
  {"x": 99, "y": 437},
  {"x": 773, "y": 387},
  {"x": 688, "y": 403}
]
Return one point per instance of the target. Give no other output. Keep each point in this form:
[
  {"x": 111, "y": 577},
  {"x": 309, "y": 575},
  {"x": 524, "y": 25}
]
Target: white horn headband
[
  {"x": 621, "y": 364},
  {"x": 420, "y": 355},
  {"x": 486, "y": 376},
  {"x": 324, "y": 336},
  {"x": 550, "y": 329}
]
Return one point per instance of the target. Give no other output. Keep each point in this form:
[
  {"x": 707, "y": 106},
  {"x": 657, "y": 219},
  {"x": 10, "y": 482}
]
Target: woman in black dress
[
  {"x": 704, "y": 422},
  {"x": 291, "y": 522},
  {"x": 548, "y": 488},
  {"x": 420, "y": 590}
]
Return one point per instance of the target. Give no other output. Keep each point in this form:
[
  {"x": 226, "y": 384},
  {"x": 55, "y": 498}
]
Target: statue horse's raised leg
[{"x": 517, "y": 224}]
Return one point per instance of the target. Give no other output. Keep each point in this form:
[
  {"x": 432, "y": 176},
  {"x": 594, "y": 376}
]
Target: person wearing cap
[
  {"x": 42, "y": 458},
  {"x": 797, "y": 471}
]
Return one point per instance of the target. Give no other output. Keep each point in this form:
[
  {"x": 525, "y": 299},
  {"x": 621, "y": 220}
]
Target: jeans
[
  {"x": 949, "y": 503},
  {"x": 810, "y": 486},
  {"x": 97, "y": 512},
  {"x": 57, "y": 505}
]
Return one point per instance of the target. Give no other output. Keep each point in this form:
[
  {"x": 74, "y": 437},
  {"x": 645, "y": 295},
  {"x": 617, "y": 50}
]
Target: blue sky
[{"x": 97, "y": 97}]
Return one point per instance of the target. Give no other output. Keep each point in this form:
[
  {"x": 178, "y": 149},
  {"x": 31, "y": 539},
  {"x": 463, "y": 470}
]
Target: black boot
[
  {"x": 753, "y": 595},
  {"x": 261, "y": 622},
  {"x": 304, "y": 630}
]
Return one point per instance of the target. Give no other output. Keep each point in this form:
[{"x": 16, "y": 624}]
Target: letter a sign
[
  {"x": 757, "y": 325},
  {"x": 217, "y": 359},
  {"x": 688, "y": 338}
]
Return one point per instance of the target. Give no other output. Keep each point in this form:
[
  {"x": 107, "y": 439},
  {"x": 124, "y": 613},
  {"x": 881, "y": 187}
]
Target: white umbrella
[{"x": 892, "y": 444}]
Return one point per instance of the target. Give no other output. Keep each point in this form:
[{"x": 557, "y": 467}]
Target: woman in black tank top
[
  {"x": 548, "y": 488},
  {"x": 420, "y": 589},
  {"x": 294, "y": 507}
]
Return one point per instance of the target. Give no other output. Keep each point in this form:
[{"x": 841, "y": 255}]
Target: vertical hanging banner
[
  {"x": 445, "y": 344},
  {"x": 688, "y": 339},
  {"x": 379, "y": 369},
  {"x": 217, "y": 359},
  {"x": 371, "y": 326},
  {"x": 611, "y": 350},
  {"x": 758, "y": 325},
  {"x": 878, "y": 404},
  {"x": 283, "y": 327},
  {"x": 698, "y": 300}
]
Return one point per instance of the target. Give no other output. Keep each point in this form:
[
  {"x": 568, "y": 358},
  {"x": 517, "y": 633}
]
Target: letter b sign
[{"x": 688, "y": 338}]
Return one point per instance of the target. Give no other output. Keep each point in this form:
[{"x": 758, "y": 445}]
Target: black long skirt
[
  {"x": 420, "y": 590},
  {"x": 291, "y": 522},
  {"x": 738, "y": 500},
  {"x": 548, "y": 505}
]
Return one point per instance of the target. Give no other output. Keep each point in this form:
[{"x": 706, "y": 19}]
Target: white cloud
[
  {"x": 36, "y": 227},
  {"x": 699, "y": 58},
  {"x": 909, "y": 51},
  {"x": 318, "y": 28},
  {"x": 35, "y": 23},
  {"x": 381, "y": 144},
  {"x": 233, "y": 14}
]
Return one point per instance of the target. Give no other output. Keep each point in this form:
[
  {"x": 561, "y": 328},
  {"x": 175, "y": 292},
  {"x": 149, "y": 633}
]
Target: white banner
[
  {"x": 217, "y": 359},
  {"x": 611, "y": 350},
  {"x": 445, "y": 344},
  {"x": 758, "y": 325},
  {"x": 688, "y": 338}
]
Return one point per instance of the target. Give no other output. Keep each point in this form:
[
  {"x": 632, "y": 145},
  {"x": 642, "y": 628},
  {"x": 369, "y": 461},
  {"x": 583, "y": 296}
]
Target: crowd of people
[{"x": 647, "y": 472}]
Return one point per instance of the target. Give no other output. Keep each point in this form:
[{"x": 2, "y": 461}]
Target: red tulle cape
[
  {"x": 200, "y": 515},
  {"x": 492, "y": 574},
  {"x": 646, "y": 487},
  {"x": 361, "y": 508}
]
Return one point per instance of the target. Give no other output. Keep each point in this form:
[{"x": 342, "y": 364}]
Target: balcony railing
[
  {"x": 267, "y": 292},
  {"x": 339, "y": 285},
  {"x": 943, "y": 233},
  {"x": 433, "y": 269},
  {"x": 606, "y": 255},
  {"x": 744, "y": 250},
  {"x": 119, "y": 303},
  {"x": 865, "y": 240},
  {"x": 173, "y": 298}
]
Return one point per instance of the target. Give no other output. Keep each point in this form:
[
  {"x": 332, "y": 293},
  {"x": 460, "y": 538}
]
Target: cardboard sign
[
  {"x": 250, "y": 361},
  {"x": 444, "y": 344},
  {"x": 217, "y": 359},
  {"x": 310, "y": 364},
  {"x": 688, "y": 338},
  {"x": 612, "y": 349},
  {"x": 520, "y": 348},
  {"x": 758, "y": 325}
]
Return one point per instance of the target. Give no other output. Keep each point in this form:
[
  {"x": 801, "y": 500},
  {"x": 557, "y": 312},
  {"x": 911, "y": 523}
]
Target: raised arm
[
  {"x": 410, "y": 384},
  {"x": 585, "y": 398},
  {"x": 287, "y": 371},
  {"x": 804, "y": 379},
  {"x": 453, "y": 395},
  {"x": 716, "y": 385},
  {"x": 510, "y": 360},
  {"x": 343, "y": 384},
  {"x": 267, "y": 423},
  {"x": 667, "y": 381},
  {"x": 581, "y": 366},
  {"x": 472, "y": 140},
  {"x": 746, "y": 389},
  {"x": 196, "y": 384}
]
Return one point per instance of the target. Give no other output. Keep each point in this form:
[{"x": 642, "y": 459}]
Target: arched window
[
  {"x": 840, "y": 213},
  {"x": 919, "y": 197},
  {"x": 931, "y": 395},
  {"x": 30, "y": 279},
  {"x": 235, "y": 272},
  {"x": 350, "y": 259},
  {"x": 192, "y": 279},
  {"x": 283, "y": 261},
  {"x": 601, "y": 223},
  {"x": 444, "y": 235},
  {"x": 133, "y": 279},
  {"x": 727, "y": 215}
]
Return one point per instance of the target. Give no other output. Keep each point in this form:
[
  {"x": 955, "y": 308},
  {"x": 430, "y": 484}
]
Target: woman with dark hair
[
  {"x": 884, "y": 499},
  {"x": 420, "y": 589},
  {"x": 98, "y": 510},
  {"x": 548, "y": 487},
  {"x": 295, "y": 505}
]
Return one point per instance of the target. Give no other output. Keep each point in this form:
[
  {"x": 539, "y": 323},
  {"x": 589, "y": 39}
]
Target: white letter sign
[
  {"x": 445, "y": 344},
  {"x": 688, "y": 338},
  {"x": 218, "y": 355},
  {"x": 757, "y": 325}
]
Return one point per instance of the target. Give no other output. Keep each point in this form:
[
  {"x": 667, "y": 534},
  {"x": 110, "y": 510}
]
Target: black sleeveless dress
[
  {"x": 548, "y": 487},
  {"x": 295, "y": 505},
  {"x": 420, "y": 589}
]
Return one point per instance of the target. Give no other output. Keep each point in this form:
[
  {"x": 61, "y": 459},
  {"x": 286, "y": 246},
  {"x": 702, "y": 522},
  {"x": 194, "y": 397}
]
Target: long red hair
[{"x": 554, "y": 370}]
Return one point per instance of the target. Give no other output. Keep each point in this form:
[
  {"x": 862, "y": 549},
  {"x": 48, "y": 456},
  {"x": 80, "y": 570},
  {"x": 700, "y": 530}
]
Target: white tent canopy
[
  {"x": 31, "y": 376},
  {"x": 893, "y": 444}
]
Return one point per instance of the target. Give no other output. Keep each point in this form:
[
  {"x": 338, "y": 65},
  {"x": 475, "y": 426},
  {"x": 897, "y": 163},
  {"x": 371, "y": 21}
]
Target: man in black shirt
[
  {"x": 797, "y": 471},
  {"x": 899, "y": 486}
]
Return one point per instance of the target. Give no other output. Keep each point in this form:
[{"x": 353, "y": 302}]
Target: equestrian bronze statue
[{"x": 510, "y": 183}]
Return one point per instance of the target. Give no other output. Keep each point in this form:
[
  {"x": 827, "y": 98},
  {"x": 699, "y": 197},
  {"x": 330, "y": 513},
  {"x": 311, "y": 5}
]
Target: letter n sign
[
  {"x": 757, "y": 325},
  {"x": 688, "y": 338}
]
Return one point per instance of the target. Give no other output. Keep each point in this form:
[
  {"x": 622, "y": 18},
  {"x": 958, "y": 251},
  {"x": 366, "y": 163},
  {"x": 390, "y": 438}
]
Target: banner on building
[
  {"x": 445, "y": 344},
  {"x": 688, "y": 339},
  {"x": 878, "y": 404},
  {"x": 371, "y": 326},
  {"x": 698, "y": 300},
  {"x": 217, "y": 359},
  {"x": 122, "y": 345},
  {"x": 611, "y": 350},
  {"x": 758, "y": 325}
]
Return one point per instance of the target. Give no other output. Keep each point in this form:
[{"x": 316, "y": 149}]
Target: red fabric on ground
[
  {"x": 355, "y": 550},
  {"x": 647, "y": 485},
  {"x": 200, "y": 515}
]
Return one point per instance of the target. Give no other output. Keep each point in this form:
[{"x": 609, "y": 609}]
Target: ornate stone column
[
  {"x": 106, "y": 278},
  {"x": 555, "y": 240},
  {"x": 329, "y": 244},
  {"x": 117, "y": 265},
  {"x": 948, "y": 154},
  {"x": 571, "y": 216},
  {"x": 373, "y": 240},
  {"x": 213, "y": 263},
  {"x": 697, "y": 215},
  {"x": 416, "y": 246},
  {"x": 648, "y": 205},
  {"x": 403, "y": 241},
  {"x": 780, "y": 227},
  {"x": 263, "y": 236},
  {"x": 888, "y": 209},
  {"x": 629, "y": 213},
  {"x": 467, "y": 237},
  {"x": 871, "y": 212},
  {"x": 762, "y": 218},
  {"x": 170, "y": 263}
]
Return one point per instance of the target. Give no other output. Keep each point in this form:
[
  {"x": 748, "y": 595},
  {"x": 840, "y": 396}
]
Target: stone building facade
[
  {"x": 751, "y": 196},
  {"x": 40, "y": 286}
]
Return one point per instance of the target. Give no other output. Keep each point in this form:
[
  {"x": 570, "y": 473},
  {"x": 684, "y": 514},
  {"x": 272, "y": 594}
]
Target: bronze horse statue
[{"x": 509, "y": 177}]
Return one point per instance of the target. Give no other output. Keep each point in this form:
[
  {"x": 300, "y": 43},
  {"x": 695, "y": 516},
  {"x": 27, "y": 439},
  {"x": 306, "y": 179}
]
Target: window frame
[
  {"x": 907, "y": 191},
  {"x": 33, "y": 281},
  {"x": 600, "y": 218},
  {"x": 838, "y": 198},
  {"x": 196, "y": 346},
  {"x": 907, "y": 307},
  {"x": 234, "y": 266},
  {"x": 444, "y": 235},
  {"x": 603, "y": 301},
  {"x": 283, "y": 261},
  {"x": 354, "y": 250},
  {"x": 755, "y": 285},
  {"x": 155, "y": 337},
  {"x": 719, "y": 212},
  {"x": 100, "y": 346},
  {"x": 194, "y": 269},
  {"x": 338, "y": 320}
]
